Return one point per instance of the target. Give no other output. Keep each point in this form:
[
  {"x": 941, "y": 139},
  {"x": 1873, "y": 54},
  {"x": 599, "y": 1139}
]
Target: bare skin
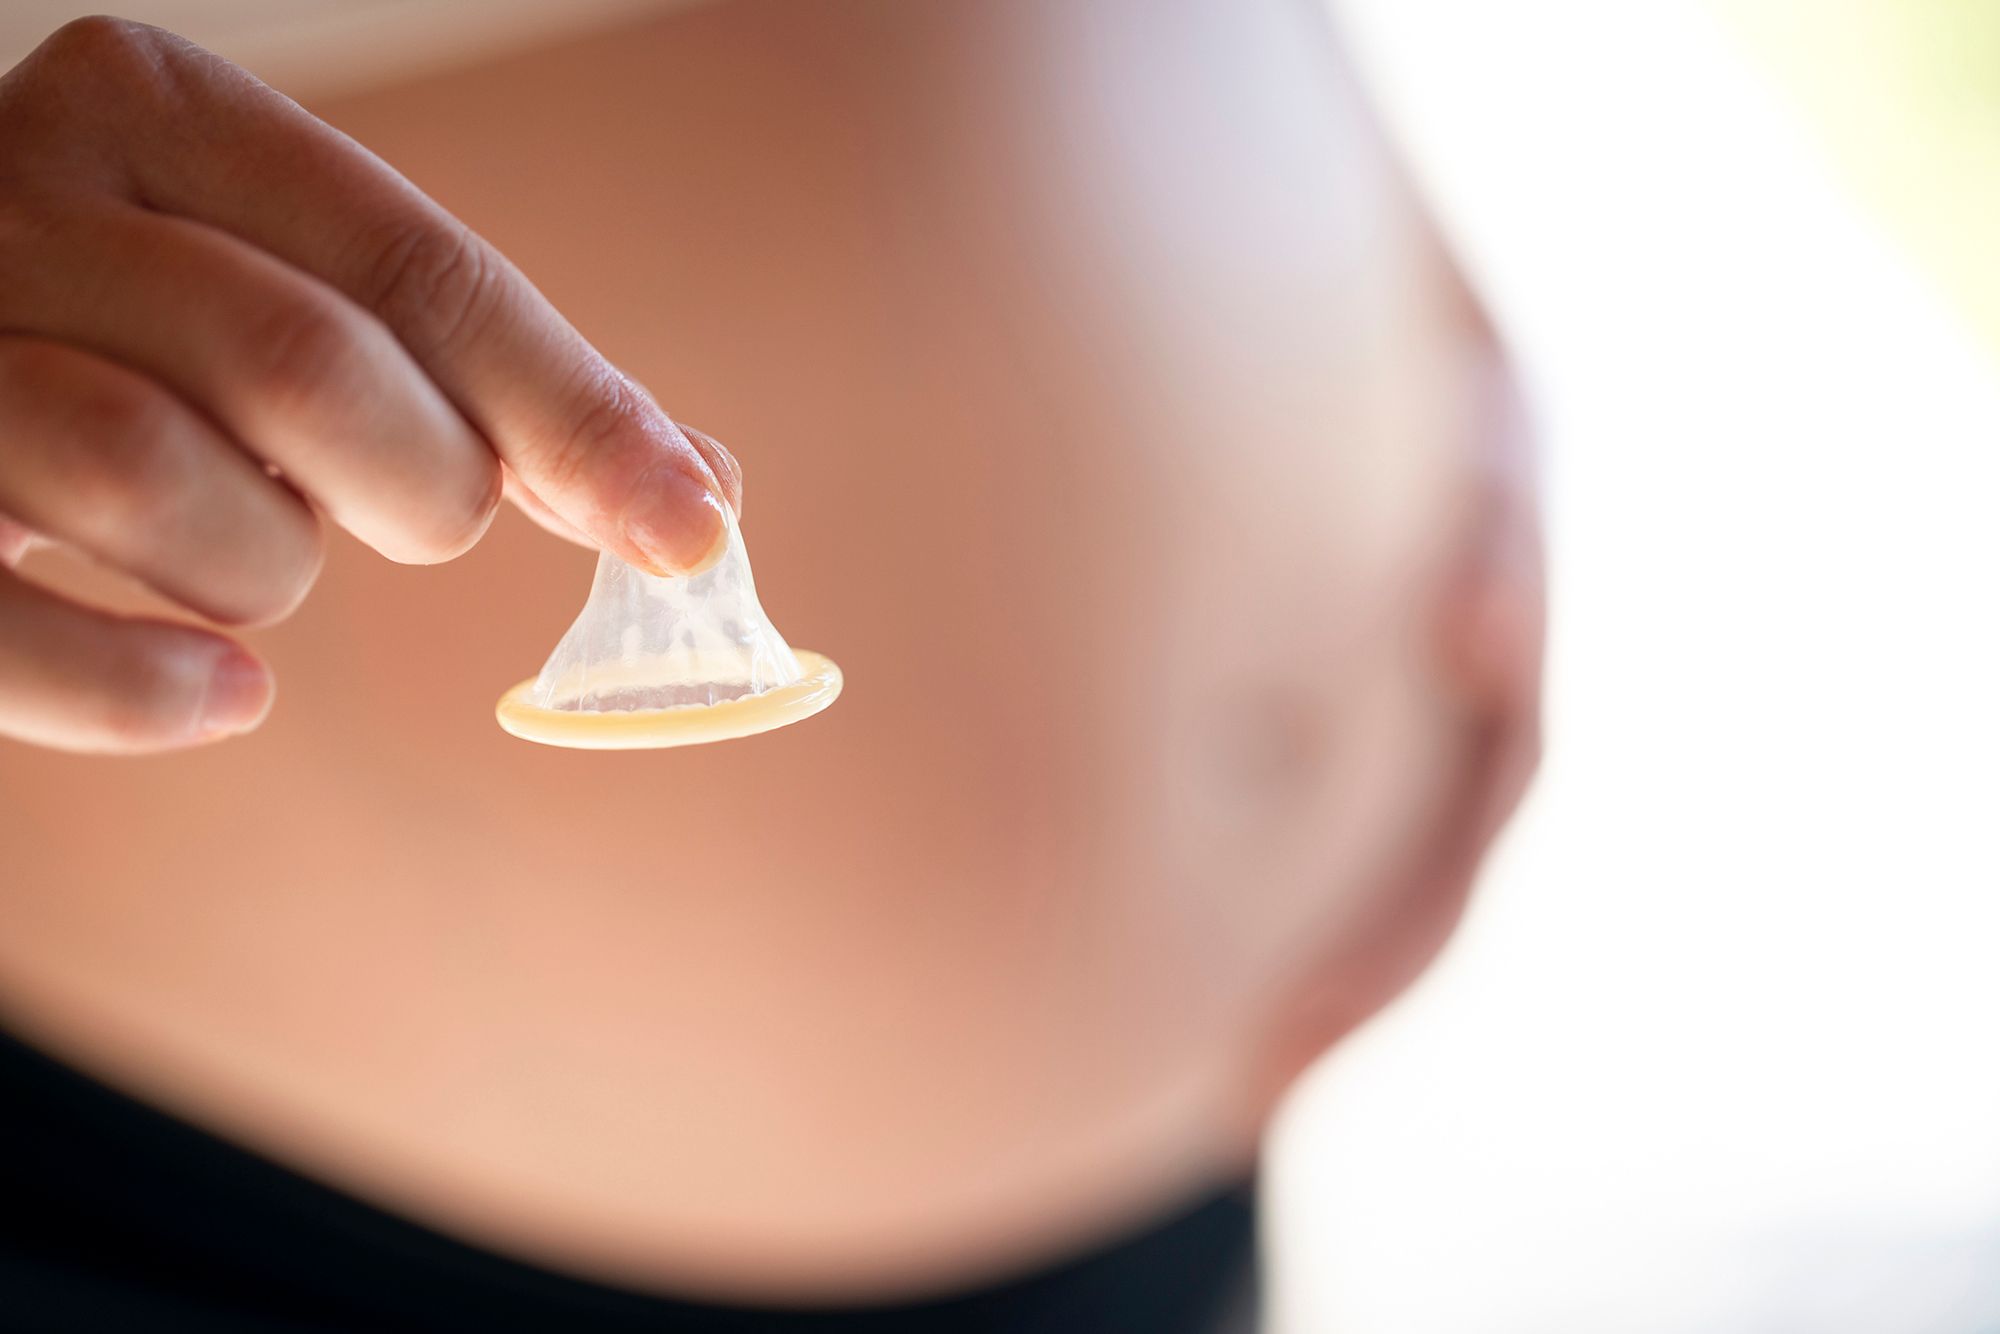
[{"x": 1123, "y": 431}]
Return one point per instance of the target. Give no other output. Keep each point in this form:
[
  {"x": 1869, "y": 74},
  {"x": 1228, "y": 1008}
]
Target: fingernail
[
  {"x": 239, "y": 695},
  {"x": 676, "y": 520}
]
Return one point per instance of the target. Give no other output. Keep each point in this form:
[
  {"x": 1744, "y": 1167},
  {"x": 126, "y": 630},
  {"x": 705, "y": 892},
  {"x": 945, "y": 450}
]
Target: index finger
[{"x": 235, "y": 154}]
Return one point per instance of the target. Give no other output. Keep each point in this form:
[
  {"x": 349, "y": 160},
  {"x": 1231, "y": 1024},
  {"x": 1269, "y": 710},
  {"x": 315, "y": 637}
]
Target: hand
[{"x": 220, "y": 320}]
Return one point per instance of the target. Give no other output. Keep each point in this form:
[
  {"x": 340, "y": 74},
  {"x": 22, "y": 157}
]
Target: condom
[{"x": 655, "y": 661}]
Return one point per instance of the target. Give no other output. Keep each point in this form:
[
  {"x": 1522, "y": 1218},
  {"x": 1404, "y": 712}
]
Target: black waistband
[{"x": 115, "y": 1216}]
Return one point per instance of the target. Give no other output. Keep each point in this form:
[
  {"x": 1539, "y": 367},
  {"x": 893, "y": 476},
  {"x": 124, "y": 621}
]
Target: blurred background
[{"x": 1716, "y": 1048}]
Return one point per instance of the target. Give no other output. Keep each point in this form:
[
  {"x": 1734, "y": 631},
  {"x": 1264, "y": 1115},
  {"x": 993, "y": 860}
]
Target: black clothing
[{"x": 120, "y": 1218}]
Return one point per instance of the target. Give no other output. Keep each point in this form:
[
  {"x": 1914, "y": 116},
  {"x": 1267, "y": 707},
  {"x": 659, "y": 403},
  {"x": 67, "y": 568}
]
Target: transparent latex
[
  {"x": 653, "y": 662},
  {"x": 646, "y": 642}
]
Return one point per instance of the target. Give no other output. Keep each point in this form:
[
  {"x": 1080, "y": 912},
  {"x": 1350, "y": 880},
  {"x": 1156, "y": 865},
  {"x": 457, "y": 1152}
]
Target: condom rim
[{"x": 682, "y": 725}]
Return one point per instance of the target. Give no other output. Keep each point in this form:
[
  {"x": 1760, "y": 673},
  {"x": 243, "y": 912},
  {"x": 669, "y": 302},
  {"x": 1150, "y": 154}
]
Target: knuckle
[
  {"x": 118, "y": 412},
  {"x": 433, "y": 283},
  {"x": 73, "y": 90},
  {"x": 101, "y": 39},
  {"x": 602, "y": 419},
  {"x": 302, "y": 349},
  {"x": 106, "y": 52},
  {"x": 126, "y": 467}
]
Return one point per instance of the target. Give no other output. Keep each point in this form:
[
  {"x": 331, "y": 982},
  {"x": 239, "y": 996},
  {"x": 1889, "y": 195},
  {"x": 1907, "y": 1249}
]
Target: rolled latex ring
[{"x": 685, "y": 725}]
